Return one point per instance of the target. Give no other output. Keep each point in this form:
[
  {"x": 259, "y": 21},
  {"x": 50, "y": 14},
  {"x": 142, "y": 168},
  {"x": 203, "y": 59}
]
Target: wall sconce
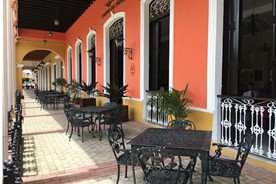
[
  {"x": 91, "y": 55},
  {"x": 119, "y": 45},
  {"x": 91, "y": 52},
  {"x": 44, "y": 41}
]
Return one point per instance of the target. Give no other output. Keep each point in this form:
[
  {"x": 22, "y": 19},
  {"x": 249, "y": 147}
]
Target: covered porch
[{"x": 49, "y": 157}]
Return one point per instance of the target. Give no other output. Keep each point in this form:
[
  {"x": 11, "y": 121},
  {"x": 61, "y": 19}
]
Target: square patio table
[
  {"x": 184, "y": 143},
  {"x": 98, "y": 111}
]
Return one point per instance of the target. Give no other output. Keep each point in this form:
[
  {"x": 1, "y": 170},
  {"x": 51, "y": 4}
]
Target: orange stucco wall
[
  {"x": 92, "y": 19},
  {"x": 190, "y": 44},
  {"x": 190, "y": 49}
]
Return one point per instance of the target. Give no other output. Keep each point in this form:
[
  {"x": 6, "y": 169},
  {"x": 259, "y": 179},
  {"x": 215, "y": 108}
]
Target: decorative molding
[
  {"x": 116, "y": 29},
  {"x": 57, "y": 57},
  {"x": 19, "y": 65},
  {"x": 159, "y": 7}
]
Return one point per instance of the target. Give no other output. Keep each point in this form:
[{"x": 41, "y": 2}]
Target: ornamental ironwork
[
  {"x": 116, "y": 29},
  {"x": 93, "y": 41},
  {"x": 159, "y": 7}
]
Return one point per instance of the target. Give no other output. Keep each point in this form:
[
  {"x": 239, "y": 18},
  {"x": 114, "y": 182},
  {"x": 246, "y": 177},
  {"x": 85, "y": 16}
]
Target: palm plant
[
  {"x": 72, "y": 88},
  {"x": 114, "y": 93},
  {"x": 174, "y": 103},
  {"x": 90, "y": 89}
]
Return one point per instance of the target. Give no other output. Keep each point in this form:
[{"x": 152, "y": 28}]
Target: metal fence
[
  {"x": 238, "y": 115},
  {"x": 153, "y": 111}
]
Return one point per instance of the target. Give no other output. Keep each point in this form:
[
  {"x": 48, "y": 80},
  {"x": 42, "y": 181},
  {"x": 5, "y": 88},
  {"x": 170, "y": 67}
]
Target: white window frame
[
  {"x": 69, "y": 64},
  {"x": 88, "y": 63},
  {"x": 77, "y": 51},
  {"x": 107, "y": 25}
]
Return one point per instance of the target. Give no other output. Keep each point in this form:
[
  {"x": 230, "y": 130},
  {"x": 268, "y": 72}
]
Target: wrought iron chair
[
  {"x": 108, "y": 117},
  {"x": 230, "y": 168},
  {"x": 163, "y": 166},
  {"x": 185, "y": 125},
  {"x": 181, "y": 125},
  {"x": 122, "y": 155},
  {"x": 77, "y": 120}
]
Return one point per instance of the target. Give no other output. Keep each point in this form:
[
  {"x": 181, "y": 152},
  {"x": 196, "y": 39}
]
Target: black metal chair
[
  {"x": 185, "y": 125},
  {"x": 108, "y": 117},
  {"x": 181, "y": 125},
  {"x": 163, "y": 166},
  {"x": 77, "y": 120},
  {"x": 230, "y": 168},
  {"x": 122, "y": 155}
]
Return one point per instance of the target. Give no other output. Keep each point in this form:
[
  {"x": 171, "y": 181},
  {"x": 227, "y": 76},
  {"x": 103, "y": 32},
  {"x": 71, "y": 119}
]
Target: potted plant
[
  {"x": 60, "y": 82},
  {"x": 174, "y": 104},
  {"x": 73, "y": 90},
  {"x": 90, "y": 90},
  {"x": 115, "y": 94}
]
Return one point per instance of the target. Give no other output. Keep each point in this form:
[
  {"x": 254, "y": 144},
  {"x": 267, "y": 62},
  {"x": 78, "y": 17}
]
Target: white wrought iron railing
[
  {"x": 238, "y": 115},
  {"x": 153, "y": 111}
]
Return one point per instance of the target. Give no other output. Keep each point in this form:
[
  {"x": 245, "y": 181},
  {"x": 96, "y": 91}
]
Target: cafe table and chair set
[{"x": 165, "y": 155}]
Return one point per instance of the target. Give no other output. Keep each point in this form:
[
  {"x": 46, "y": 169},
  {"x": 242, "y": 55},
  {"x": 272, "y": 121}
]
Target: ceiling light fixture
[
  {"x": 50, "y": 34},
  {"x": 56, "y": 21}
]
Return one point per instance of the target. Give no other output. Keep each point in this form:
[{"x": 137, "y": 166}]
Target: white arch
[
  {"x": 88, "y": 46},
  {"x": 77, "y": 51},
  {"x": 107, "y": 25},
  {"x": 69, "y": 64}
]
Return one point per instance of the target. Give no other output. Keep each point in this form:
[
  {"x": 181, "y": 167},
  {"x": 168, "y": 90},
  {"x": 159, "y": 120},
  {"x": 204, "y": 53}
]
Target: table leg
[
  {"x": 205, "y": 166},
  {"x": 100, "y": 129},
  {"x": 133, "y": 152}
]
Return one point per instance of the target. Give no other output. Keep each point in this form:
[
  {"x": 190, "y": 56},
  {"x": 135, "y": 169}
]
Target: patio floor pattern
[{"x": 49, "y": 156}]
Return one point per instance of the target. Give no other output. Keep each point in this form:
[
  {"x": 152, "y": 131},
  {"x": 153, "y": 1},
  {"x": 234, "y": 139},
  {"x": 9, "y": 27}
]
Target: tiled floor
[{"x": 49, "y": 156}]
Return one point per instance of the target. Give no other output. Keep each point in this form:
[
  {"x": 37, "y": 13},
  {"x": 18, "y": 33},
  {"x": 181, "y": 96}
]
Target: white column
[
  {"x": 39, "y": 80},
  {"x": 42, "y": 80},
  {"x": 49, "y": 77},
  {"x": 45, "y": 77}
]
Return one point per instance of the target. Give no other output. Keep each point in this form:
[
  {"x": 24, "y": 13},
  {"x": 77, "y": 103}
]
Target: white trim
[
  {"x": 214, "y": 70},
  {"x": 144, "y": 48},
  {"x": 171, "y": 46},
  {"x": 78, "y": 69},
  {"x": 19, "y": 65},
  {"x": 88, "y": 46},
  {"x": 107, "y": 24},
  {"x": 57, "y": 57},
  {"x": 69, "y": 64},
  {"x": 202, "y": 110}
]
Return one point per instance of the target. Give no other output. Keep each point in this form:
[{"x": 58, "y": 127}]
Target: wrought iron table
[
  {"x": 184, "y": 143},
  {"x": 98, "y": 111},
  {"x": 54, "y": 99}
]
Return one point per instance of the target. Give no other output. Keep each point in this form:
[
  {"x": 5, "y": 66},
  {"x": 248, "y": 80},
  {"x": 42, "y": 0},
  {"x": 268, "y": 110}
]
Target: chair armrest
[{"x": 219, "y": 148}]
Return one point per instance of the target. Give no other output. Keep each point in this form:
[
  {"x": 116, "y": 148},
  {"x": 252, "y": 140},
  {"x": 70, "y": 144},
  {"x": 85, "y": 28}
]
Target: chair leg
[
  {"x": 238, "y": 178},
  {"x": 71, "y": 134},
  {"x": 67, "y": 128},
  {"x": 210, "y": 178},
  {"x": 81, "y": 134},
  {"x": 118, "y": 174},
  {"x": 194, "y": 158},
  {"x": 126, "y": 172}
]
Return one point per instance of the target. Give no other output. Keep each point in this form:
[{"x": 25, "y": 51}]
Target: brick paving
[{"x": 49, "y": 156}]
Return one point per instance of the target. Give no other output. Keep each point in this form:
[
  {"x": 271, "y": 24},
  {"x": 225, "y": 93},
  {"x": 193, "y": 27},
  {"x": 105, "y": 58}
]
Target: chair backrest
[
  {"x": 74, "y": 113},
  {"x": 181, "y": 125},
  {"x": 110, "y": 104},
  {"x": 244, "y": 148},
  {"x": 116, "y": 140},
  {"x": 160, "y": 165}
]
